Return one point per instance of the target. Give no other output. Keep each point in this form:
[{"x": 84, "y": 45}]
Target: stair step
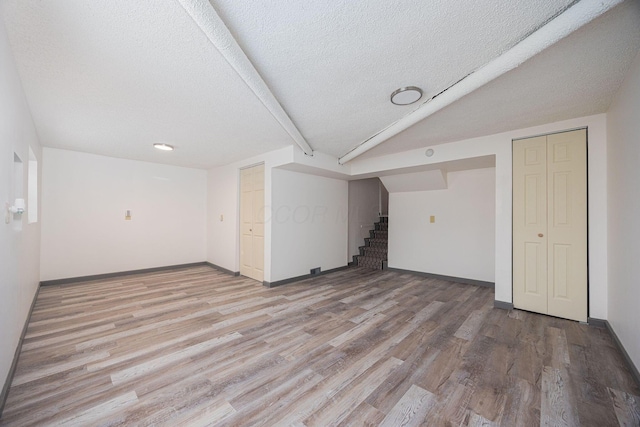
[
  {"x": 376, "y": 240},
  {"x": 369, "y": 262},
  {"x": 379, "y": 234},
  {"x": 377, "y": 244},
  {"x": 375, "y": 252}
]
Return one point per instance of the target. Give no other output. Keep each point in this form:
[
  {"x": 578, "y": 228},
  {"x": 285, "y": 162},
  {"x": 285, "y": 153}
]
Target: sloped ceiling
[
  {"x": 112, "y": 77},
  {"x": 577, "y": 77},
  {"x": 417, "y": 181}
]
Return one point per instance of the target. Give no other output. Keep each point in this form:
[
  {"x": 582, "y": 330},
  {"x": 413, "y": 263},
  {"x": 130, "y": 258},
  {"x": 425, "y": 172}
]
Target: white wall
[
  {"x": 308, "y": 223},
  {"x": 461, "y": 241},
  {"x": 19, "y": 240},
  {"x": 364, "y": 205},
  {"x": 84, "y": 200},
  {"x": 500, "y": 146},
  {"x": 624, "y": 211}
]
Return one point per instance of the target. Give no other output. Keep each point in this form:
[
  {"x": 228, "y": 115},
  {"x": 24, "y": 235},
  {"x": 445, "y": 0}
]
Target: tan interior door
[
  {"x": 550, "y": 225},
  {"x": 567, "y": 225},
  {"x": 530, "y": 224},
  {"x": 252, "y": 222}
]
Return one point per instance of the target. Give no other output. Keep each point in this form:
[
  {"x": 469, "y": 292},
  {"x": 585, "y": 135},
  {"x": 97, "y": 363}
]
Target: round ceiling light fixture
[
  {"x": 163, "y": 147},
  {"x": 406, "y": 95}
]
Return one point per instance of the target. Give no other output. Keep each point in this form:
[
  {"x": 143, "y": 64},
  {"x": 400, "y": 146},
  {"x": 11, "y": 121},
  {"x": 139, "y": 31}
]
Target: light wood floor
[{"x": 358, "y": 347}]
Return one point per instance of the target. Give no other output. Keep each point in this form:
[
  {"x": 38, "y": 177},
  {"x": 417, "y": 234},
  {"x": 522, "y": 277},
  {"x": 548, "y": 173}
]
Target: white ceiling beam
[
  {"x": 205, "y": 16},
  {"x": 564, "y": 24}
]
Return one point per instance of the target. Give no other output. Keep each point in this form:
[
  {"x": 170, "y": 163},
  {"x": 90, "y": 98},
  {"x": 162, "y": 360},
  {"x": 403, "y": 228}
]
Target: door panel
[
  {"x": 534, "y": 185},
  {"x": 561, "y": 193},
  {"x": 561, "y": 260},
  {"x": 533, "y": 259},
  {"x": 246, "y": 249},
  {"x": 252, "y": 222},
  {"x": 258, "y": 258},
  {"x": 568, "y": 227},
  {"x": 246, "y": 254},
  {"x": 529, "y": 222}
]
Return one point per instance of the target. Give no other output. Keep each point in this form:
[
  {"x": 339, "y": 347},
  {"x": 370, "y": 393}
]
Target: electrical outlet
[
  {"x": 221, "y": 217},
  {"x": 127, "y": 216},
  {"x": 432, "y": 219}
]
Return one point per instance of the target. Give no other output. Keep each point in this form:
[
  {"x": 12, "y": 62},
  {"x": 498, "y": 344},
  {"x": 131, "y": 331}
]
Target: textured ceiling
[
  {"x": 112, "y": 77},
  {"x": 576, "y": 77},
  {"x": 333, "y": 65}
]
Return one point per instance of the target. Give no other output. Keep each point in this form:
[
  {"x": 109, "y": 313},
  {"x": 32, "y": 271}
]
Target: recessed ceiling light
[
  {"x": 406, "y": 95},
  {"x": 163, "y": 147}
]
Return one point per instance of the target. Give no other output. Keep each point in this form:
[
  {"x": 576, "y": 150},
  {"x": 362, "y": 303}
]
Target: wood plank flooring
[{"x": 198, "y": 347}]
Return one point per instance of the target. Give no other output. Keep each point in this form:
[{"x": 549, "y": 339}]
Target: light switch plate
[{"x": 432, "y": 219}]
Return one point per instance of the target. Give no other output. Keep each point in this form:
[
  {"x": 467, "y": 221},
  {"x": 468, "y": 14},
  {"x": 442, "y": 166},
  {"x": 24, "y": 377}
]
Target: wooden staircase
[{"x": 374, "y": 252}]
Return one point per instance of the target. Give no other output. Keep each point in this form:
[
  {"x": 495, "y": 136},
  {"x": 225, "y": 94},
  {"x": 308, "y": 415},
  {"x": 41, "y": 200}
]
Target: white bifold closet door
[
  {"x": 550, "y": 224},
  {"x": 252, "y": 222}
]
